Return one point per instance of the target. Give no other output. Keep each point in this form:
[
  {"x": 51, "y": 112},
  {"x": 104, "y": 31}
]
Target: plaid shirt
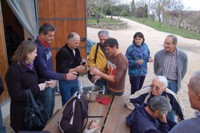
[{"x": 170, "y": 66}]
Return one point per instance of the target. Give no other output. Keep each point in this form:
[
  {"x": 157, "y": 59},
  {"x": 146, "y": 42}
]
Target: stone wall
[{"x": 110, "y": 26}]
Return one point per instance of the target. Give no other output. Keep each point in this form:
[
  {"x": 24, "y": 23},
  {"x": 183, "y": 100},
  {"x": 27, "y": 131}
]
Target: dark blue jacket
[
  {"x": 144, "y": 95},
  {"x": 141, "y": 122},
  {"x": 44, "y": 64}
]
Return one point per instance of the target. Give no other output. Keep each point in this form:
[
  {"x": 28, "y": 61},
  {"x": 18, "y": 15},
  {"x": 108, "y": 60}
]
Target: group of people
[
  {"x": 154, "y": 107},
  {"x": 32, "y": 68},
  {"x": 151, "y": 107}
]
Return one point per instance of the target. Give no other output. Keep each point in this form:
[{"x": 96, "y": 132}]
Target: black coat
[
  {"x": 20, "y": 78},
  {"x": 66, "y": 60},
  {"x": 1, "y": 86}
]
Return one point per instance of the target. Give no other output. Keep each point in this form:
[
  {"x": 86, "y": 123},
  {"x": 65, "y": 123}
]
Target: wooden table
[{"x": 111, "y": 120}]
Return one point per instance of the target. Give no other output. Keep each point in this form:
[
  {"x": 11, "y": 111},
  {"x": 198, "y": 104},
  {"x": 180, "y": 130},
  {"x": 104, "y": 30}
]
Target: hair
[
  {"x": 194, "y": 82},
  {"x": 162, "y": 79},
  {"x": 174, "y": 39},
  {"x": 103, "y": 32},
  {"x": 111, "y": 42},
  {"x": 71, "y": 36},
  {"x": 22, "y": 51},
  {"x": 140, "y": 35},
  {"x": 160, "y": 103},
  {"x": 45, "y": 28}
]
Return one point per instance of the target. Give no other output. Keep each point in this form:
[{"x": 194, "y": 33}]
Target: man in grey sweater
[
  {"x": 191, "y": 125},
  {"x": 171, "y": 63}
]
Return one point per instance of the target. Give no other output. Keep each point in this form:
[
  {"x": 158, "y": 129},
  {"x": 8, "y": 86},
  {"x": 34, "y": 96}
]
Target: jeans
[
  {"x": 67, "y": 89},
  {"x": 2, "y": 127},
  {"x": 172, "y": 85},
  {"x": 48, "y": 100},
  {"x": 109, "y": 92},
  {"x": 101, "y": 83},
  {"x": 136, "y": 83}
]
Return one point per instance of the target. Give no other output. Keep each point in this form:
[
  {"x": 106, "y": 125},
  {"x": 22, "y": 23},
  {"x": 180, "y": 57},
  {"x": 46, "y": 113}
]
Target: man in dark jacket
[
  {"x": 68, "y": 59},
  {"x": 191, "y": 125},
  {"x": 150, "y": 118},
  {"x": 2, "y": 127},
  {"x": 44, "y": 67},
  {"x": 157, "y": 87}
]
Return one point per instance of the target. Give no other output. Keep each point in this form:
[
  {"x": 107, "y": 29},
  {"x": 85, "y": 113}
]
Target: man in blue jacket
[
  {"x": 158, "y": 87},
  {"x": 44, "y": 67},
  {"x": 150, "y": 118}
]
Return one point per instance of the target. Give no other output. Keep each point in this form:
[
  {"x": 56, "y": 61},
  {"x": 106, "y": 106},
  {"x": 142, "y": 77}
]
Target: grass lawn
[{"x": 167, "y": 28}]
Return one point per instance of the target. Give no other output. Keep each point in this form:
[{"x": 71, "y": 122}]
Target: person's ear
[{"x": 198, "y": 96}]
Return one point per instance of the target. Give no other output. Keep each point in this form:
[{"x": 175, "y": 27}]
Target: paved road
[{"x": 155, "y": 39}]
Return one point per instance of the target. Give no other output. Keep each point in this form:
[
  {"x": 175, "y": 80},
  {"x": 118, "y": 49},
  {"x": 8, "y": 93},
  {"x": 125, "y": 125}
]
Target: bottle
[{"x": 81, "y": 86}]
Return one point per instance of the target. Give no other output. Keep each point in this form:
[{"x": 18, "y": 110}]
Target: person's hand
[
  {"x": 163, "y": 118},
  {"x": 95, "y": 71},
  {"x": 42, "y": 86},
  {"x": 96, "y": 78},
  {"x": 51, "y": 83},
  {"x": 140, "y": 61},
  {"x": 71, "y": 75},
  {"x": 150, "y": 59},
  {"x": 80, "y": 69}
]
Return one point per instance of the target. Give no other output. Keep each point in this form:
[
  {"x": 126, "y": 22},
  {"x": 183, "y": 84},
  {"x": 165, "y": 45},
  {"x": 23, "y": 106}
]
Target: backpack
[{"x": 74, "y": 114}]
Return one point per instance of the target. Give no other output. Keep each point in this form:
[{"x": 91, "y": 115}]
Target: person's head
[
  {"x": 159, "y": 105},
  {"x": 47, "y": 32},
  {"x": 170, "y": 43},
  {"x": 73, "y": 40},
  {"x": 194, "y": 90},
  {"x": 26, "y": 52},
  {"x": 138, "y": 38},
  {"x": 158, "y": 85},
  {"x": 103, "y": 35},
  {"x": 111, "y": 45}
]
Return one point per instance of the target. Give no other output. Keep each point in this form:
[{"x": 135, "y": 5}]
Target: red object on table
[{"x": 104, "y": 100}]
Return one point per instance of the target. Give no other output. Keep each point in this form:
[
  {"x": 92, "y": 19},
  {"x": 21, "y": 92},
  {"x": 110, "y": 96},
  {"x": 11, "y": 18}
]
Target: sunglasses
[{"x": 155, "y": 86}]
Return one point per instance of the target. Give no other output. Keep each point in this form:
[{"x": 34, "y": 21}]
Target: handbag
[{"x": 35, "y": 117}]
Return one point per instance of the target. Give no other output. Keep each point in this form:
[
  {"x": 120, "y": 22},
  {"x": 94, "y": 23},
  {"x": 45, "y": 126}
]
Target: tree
[{"x": 133, "y": 7}]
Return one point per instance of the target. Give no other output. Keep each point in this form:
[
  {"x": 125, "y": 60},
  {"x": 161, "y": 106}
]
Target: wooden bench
[{"x": 111, "y": 117}]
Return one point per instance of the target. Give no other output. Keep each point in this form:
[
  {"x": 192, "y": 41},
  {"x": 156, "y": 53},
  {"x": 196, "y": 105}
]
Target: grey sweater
[{"x": 182, "y": 63}]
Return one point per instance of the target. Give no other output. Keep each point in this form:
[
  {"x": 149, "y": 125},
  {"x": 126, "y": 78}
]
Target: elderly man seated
[
  {"x": 158, "y": 87},
  {"x": 150, "y": 118}
]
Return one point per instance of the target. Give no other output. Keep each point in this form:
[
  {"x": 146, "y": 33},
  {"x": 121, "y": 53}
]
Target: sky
[
  {"x": 193, "y": 4},
  {"x": 188, "y": 4}
]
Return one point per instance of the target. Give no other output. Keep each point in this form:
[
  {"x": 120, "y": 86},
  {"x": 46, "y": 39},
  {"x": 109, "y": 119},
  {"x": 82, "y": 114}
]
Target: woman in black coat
[{"x": 21, "y": 76}]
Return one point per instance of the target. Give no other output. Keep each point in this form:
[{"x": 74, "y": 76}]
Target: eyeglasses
[{"x": 155, "y": 86}]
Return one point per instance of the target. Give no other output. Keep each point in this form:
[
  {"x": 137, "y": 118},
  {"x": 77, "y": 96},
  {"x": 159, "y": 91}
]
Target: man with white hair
[
  {"x": 158, "y": 87},
  {"x": 191, "y": 125},
  {"x": 150, "y": 118}
]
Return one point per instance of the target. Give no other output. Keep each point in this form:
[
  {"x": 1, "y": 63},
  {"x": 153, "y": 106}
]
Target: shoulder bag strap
[
  {"x": 95, "y": 56},
  {"x": 31, "y": 98}
]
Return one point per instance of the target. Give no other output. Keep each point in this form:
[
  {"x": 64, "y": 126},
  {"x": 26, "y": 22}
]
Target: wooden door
[
  {"x": 67, "y": 16},
  {"x": 3, "y": 58}
]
